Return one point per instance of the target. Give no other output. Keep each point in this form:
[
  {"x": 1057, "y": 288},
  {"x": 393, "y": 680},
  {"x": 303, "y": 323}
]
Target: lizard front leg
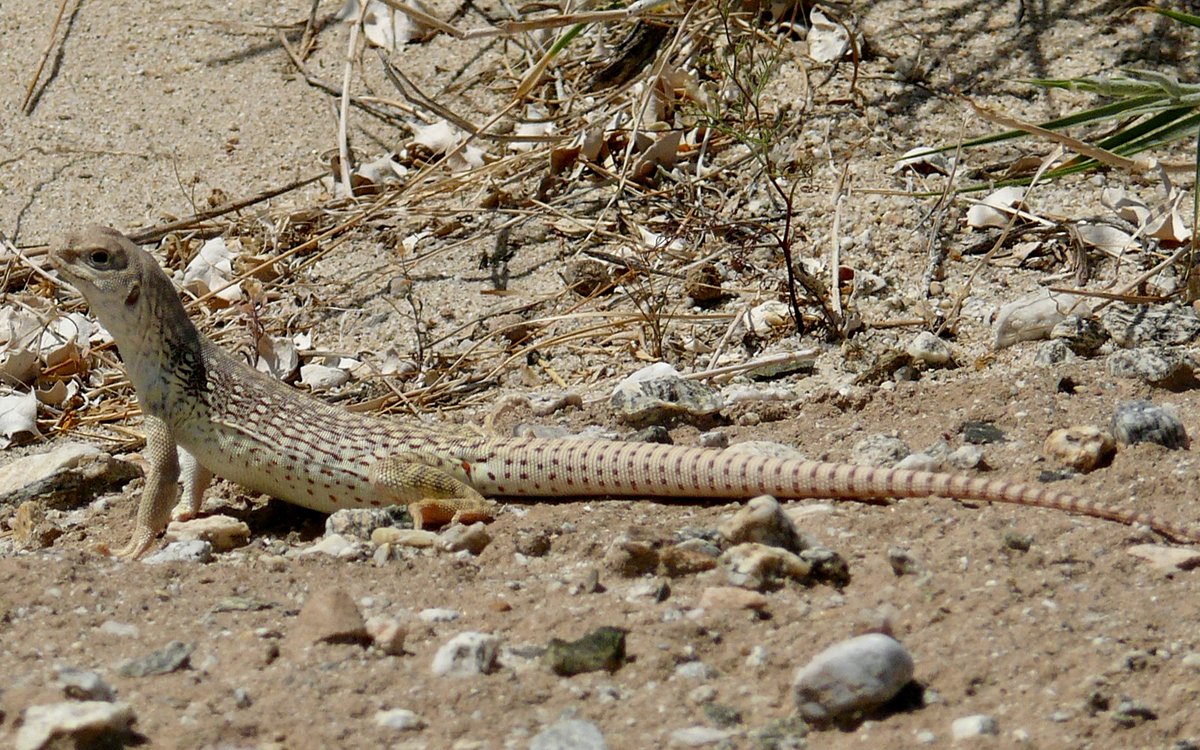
[
  {"x": 162, "y": 475},
  {"x": 428, "y": 486}
]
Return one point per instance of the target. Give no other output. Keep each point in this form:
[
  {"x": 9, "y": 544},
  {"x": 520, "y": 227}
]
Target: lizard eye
[{"x": 99, "y": 257}]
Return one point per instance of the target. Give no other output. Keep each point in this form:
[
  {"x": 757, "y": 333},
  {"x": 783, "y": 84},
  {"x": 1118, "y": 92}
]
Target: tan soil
[{"x": 152, "y": 106}]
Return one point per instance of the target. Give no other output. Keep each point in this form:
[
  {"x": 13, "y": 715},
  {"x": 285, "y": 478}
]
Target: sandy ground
[{"x": 150, "y": 111}]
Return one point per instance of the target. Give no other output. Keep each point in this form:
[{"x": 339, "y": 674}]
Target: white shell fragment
[
  {"x": 18, "y": 415},
  {"x": 924, "y": 159},
  {"x": 827, "y": 39},
  {"x": 1104, "y": 237},
  {"x": 212, "y": 268},
  {"x": 994, "y": 210},
  {"x": 1033, "y": 316}
]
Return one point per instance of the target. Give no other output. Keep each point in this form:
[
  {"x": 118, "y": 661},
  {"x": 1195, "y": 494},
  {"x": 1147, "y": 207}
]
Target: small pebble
[
  {"x": 466, "y": 655},
  {"x": 1160, "y": 368},
  {"x": 1053, "y": 353},
  {"x": 656, "y": 394},
  {"x": 1082, "y": 447},
  {"x": 329, "y": 615},
  {"x": 603, "y": 649},
  {"x": 569, "y": 734},
  {"x": 880, "y": 450},
  {"x": 85, "y": 724},
  {"x": 699, "y": 736},
  {"x": 695, "y": 670},
  {"x": 387, "y": 634},
  {"x": 399, "y": 719},
  {"x": 473, "y": 538},
  {"x": 222, "y": 532},
  {"x": 981, "y": 433},
  {"x": 404, "y": 537},
  {"x": 977, "y": 725},
  {"x": 631, "y": 558},
  {"x": 435, "y": 614},
  {"x": 361, "y": 523},
  {"x": 1167, "y": 559},
  {"x": 334, "y": 545},
  {"x": 174, "y": 656},
  {"x": 1146, "y": 422},
  {"x": 929, "y": 350},
  {"x": 196, "y": 551},
  {"x": 121, "y": 629},
  {"x": 1146, "y": 325},
  {"x": 1083, "y": 335},
  {"x": 759, "y": 567},
  {"x": 731, "y": 598},
  {"x": 84, "y": 685},
  {"x": 966, "y": 458},
  {"x": 853, "y": 676},
  {"x": 763, "y": 521}
]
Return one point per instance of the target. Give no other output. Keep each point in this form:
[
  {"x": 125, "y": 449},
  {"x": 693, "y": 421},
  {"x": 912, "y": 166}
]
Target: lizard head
[{"x": 112, "y": 274}]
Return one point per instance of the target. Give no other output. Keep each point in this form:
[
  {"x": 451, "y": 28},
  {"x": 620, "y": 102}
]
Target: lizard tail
[{"x": 553, "y": 467}]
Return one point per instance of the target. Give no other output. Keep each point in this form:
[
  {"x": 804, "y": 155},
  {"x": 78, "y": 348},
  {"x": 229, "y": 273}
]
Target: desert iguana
[{"x": 242, "y": 425}]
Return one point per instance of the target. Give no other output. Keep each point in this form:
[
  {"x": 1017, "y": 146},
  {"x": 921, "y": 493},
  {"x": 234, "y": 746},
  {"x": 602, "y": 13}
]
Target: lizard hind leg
[{"x": 435, "y": 489}]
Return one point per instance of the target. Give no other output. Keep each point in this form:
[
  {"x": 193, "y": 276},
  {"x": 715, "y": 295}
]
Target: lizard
[{"x": 208, "y": 413}]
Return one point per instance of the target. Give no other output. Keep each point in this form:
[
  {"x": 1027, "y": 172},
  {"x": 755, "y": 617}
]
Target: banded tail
[{"x": 537, "y": 467}]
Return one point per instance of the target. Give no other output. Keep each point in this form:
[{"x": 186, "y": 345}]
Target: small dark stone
[
  {"x": 721, "y": 715},
  {"x": 533, "y": 543},
  {"x": 172, "y": 657},
  {"x": 601, "y": 649},
  {"x": 1019, "y": 542},
  {"x": 703, "y": 284},
  {"x": 1129, "y": 713},
  {"x": 655, "y": 433},
  {"x": 589, "y": 278},
  {"x": 981, "y": 433}
]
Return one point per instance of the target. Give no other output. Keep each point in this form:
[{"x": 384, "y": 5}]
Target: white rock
[
  {"x": 1033, "y": 316},
  {"x": 322, "y": 377},
  {"x": 858, "y": 674},
  {"x": 192, "y": 551},
  {"x": 82, "y": 684},
  {"x": 119, "y": 629},
  {"x": 698, "y": 736},
  {"x": 974, "y": 726},
  {"x": 569, "y": 734},
  {"x": 434, "y": 614},
  {"x": 399, "y": 719},
  {"x": 769, "y": 315},
  {"x": 42, "y": 724},
  {"x": 1167, "y": 559},
  {"x": 387, "y": 634},
  {"x": 25, "y": 471},
  {"x": 929, "y": 350},
  {"x": 222, "y": 532},
  {"x": 334, "y": 545},
  {"x": 467, "y": 654}
]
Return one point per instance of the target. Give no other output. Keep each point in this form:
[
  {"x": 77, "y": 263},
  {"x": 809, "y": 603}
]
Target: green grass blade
[{"x": 1187, "y": 18}]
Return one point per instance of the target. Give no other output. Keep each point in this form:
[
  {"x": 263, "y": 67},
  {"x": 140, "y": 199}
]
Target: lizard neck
[{"x": 162, "y": 350}]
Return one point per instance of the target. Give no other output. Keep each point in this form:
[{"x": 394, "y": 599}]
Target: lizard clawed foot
[
  {"x": 139, "y": 544},
  {"x": 444, "y": 512}
]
